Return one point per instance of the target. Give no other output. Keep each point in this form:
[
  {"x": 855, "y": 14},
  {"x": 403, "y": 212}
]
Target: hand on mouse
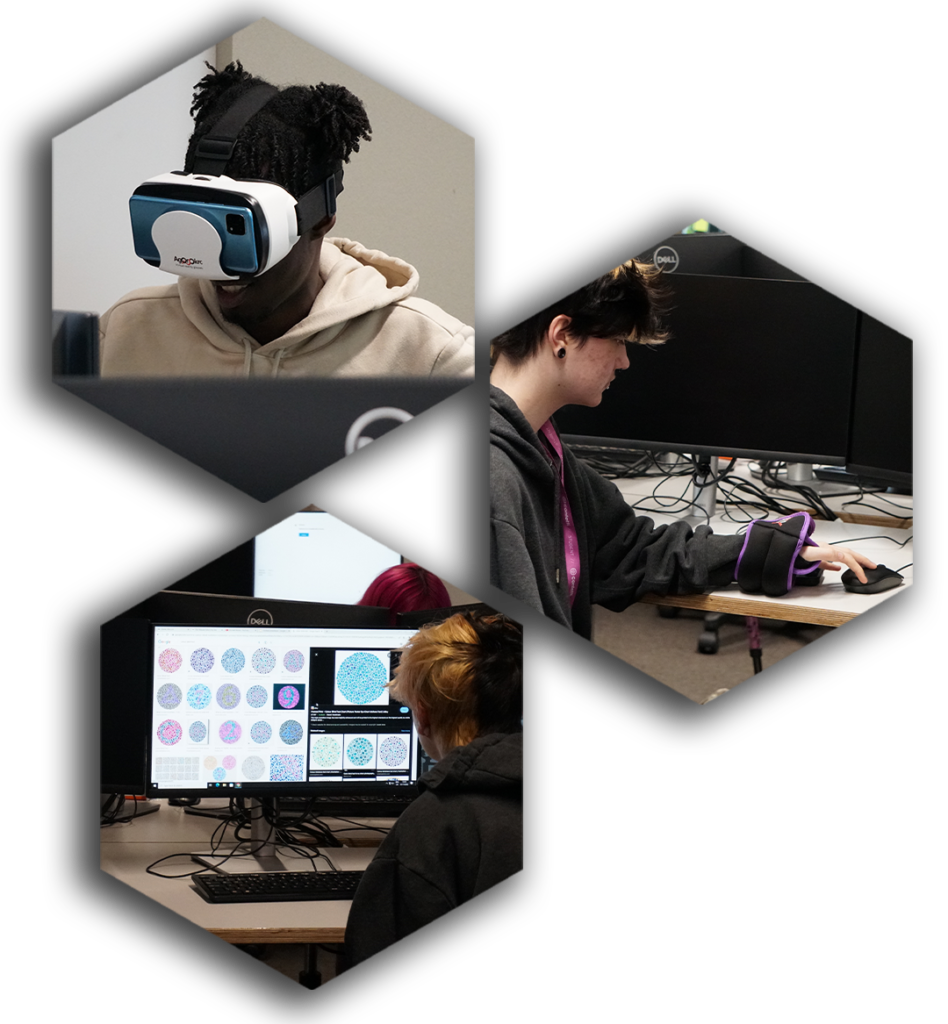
[{"x": 832, "y": 555}]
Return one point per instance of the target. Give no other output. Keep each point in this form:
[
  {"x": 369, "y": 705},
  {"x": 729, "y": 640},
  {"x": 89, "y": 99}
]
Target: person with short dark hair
[
  {"x": 331, "y": 307},
  {"x": 562, "y": 537},
  {"x": 463, "y": 681}
]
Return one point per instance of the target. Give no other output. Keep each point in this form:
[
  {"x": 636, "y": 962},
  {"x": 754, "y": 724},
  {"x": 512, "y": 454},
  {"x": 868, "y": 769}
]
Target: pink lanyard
[{"x": 570, "y": 540}]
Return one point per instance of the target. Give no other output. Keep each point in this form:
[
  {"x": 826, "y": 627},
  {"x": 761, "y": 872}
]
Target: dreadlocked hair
[
  {"x": 467, "y": 672},
  {"x": 629, "y": 302},
  {"x": 293, "y": 140}
]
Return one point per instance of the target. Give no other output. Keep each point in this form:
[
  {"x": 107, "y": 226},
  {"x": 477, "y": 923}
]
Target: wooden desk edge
[
  {"x": 297, "y": 936},
  {"x": 748, "y": 606},
  {"x": 887, "y": 522}
]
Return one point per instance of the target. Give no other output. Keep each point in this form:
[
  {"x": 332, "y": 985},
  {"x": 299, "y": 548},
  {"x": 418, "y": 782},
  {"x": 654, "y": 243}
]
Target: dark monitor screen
[
  {"x": 881, "y": 441},
  {"x": 417, "y": 619},
  {"x": 754, "y": 368},
  {"x": 75, "y": 344},
  {"x": 277, "y": 711},
  {"x": 124, "y": 704}
]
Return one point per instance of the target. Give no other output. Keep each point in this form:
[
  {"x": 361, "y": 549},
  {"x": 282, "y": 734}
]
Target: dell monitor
[
  {"x": 744, "y": 373},
  {"x": 276, "y": 711},
  {"x": 880, "y": 447},
  {"x": 126, "y": 664}
]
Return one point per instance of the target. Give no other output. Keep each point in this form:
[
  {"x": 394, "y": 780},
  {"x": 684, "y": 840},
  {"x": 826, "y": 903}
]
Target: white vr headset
[{"x": 205, "y": 224}]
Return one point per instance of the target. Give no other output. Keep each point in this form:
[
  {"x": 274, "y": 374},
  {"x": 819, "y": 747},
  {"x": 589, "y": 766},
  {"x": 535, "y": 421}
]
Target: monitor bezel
[{"x": 297, "y": 790}]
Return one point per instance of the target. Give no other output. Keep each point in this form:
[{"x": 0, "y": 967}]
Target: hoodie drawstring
[{"x": 275, "y": 360}]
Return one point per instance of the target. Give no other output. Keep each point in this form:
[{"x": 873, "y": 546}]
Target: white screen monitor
[
  {"x": 312, "y": 556},
  {"x": 291, "y": 711}
]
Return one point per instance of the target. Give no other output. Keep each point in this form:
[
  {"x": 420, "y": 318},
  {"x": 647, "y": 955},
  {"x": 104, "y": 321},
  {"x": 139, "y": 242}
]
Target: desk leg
[
  {"x": 310, "y": 976},
  {"x": 752, "y": 625}
]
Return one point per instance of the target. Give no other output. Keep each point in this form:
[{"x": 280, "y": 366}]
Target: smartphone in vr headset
[{"x": 205, "y": 224}]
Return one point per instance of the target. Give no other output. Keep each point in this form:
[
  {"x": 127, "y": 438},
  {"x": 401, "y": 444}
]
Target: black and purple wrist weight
[{"x": 770, "y": 561}]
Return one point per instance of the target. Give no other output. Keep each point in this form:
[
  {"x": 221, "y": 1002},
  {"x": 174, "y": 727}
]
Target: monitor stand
[
  {"x": 261, "y": 841},
  {"x": 802, "y": 474},
  {"x": 128, "y": 809},
  {"x": 705, "y": 490},
  {"x": 704, "y": 493}
]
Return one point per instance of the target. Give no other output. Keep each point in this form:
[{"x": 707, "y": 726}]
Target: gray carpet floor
[{"x": 667, "y": 648}]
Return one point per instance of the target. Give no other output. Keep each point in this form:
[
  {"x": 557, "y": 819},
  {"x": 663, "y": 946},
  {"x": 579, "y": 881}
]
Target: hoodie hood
[
  {"x": 512, "y": 436},
  {"x": 356, "y": 280},
  {"x": 366, "y": 321},
  {"x": 489, "y": 764}
]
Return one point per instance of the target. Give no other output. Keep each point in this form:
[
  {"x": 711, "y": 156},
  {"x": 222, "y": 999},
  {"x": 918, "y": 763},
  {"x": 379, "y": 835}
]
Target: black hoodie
[
  {"x": 461, "y": 836},
  {"x": 622, "y": 556}
]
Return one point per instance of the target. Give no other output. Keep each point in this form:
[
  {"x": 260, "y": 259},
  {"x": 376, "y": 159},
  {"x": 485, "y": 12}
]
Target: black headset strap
[
  {"x": 320, "y": 201},
  {"x": 217, "y": 147}
]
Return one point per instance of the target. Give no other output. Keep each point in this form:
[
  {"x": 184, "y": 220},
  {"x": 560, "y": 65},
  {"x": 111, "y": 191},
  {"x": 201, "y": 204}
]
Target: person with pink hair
[{"x": 406, "y": 588}]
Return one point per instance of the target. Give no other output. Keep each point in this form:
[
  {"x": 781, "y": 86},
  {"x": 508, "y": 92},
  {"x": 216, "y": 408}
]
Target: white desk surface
[
  {"x": 828, "y": 604},
  {"x": 127, "y": 850}
]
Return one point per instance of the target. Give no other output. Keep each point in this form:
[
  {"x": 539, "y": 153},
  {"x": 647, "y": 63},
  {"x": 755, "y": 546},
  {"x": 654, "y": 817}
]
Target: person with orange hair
[{"x": 463, "y": 681}]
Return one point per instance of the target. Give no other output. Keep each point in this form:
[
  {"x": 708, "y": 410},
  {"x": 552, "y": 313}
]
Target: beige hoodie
[{"x": 366, "y": 321}]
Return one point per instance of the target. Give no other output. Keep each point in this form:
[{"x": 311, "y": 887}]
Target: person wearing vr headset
[
  {"x": 562, "y": 537},
  {"x": 262, "y": 289}
]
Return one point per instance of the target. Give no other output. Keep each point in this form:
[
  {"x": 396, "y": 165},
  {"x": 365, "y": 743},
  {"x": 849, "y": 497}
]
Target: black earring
[{"x": 561, "y": 353}]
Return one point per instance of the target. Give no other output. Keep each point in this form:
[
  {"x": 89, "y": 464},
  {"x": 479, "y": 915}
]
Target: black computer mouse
[{"x": 878, "y": 579}]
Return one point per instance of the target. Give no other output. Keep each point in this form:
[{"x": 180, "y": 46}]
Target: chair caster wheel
[{"x": 708, "y": 643}]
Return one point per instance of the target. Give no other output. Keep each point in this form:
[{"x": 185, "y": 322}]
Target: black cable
[
  {"x": 244, "y": 848},
  {"x": 885, "y": 512},
  {"x": 360, "y": 826},
  {"x": 769, "y": 476},
  {"x": 108, "y": 815}
]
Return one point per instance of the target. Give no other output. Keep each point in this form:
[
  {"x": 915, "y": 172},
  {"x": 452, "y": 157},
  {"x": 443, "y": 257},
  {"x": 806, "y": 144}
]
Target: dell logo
[
  {"x": 260, "y": 617},
  {"x": 355, "y": 439},
  {"x": 665, "y": 258}
]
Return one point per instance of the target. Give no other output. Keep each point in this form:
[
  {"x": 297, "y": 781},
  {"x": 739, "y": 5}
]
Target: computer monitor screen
[
  {"x": 280, "y": 711},
  {"x": 312, "y": 556},
  {"x": 124, "y": 704},
  {"x": 753, "y": 368},
  {"x": 75, "y": 344},
  {"x": 881, "y": 441}
]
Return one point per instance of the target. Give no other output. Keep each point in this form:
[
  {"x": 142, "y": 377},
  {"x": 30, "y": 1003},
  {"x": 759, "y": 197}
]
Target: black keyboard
[
  {"x": 277, "y": 886},
  {"x": 348, "y": 806}
]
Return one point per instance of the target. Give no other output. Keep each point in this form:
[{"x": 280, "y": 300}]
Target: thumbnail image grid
[{"x": 230, "y": 714}]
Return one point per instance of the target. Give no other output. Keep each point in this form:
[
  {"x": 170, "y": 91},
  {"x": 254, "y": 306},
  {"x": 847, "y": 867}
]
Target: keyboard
[
  {"x": 348, "y": 806},
  {"x": 277, "y": 886}
]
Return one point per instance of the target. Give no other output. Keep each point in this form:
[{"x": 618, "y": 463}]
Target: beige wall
[{"x": 408, "y": 192}]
